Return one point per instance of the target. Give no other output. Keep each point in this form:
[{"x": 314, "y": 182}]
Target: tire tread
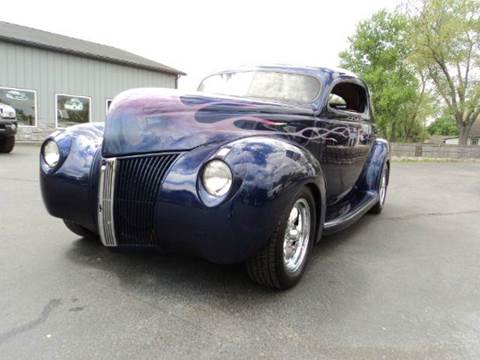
[
  {"x": 261, "y": 268},
  {"x": 7, "y": 144},
  {"x": 79, "y": 230}
]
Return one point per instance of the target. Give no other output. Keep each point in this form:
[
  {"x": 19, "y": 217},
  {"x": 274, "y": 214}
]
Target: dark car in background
[
  {"x": 253, "y": 168},
  {"x": 8, "y": 128}
]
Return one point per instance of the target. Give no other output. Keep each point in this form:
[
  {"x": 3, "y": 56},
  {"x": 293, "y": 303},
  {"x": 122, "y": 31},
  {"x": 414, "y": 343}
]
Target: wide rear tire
[
  {"x": 7, "y": 144},
  {"x": 282, "y": 262},
  {"x": 382, "y": 191}
]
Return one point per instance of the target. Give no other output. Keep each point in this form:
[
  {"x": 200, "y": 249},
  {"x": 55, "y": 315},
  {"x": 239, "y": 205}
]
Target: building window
[
  {"x": 108, "y": 102},
  {"x": 23, "y": 101},
  {"x": 475, "y": 141},
  {"x": 72, "y": 110}
]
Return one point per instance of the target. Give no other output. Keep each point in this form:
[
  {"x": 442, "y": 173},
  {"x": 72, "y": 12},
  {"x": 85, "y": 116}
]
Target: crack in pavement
[
  {"x": 410, "y": 216},
  {"x": 52, "y": 304}
]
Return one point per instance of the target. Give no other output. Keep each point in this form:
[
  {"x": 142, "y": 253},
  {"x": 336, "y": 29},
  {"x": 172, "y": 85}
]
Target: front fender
[
  {"x": 267, "y": 173},
  {"x": 69, "y": 191}
]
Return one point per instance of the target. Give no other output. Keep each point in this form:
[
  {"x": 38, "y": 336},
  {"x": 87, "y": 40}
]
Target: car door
[{"x": 348, "y": 137}]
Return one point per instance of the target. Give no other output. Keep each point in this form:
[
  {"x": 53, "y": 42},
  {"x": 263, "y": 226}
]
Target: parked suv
[{"x": 8, "y": 128}]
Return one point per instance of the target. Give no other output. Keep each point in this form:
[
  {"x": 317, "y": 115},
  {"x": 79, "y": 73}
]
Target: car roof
[
  {"x": 326, "y": 75},
  {"x": 317, "y": 71}
]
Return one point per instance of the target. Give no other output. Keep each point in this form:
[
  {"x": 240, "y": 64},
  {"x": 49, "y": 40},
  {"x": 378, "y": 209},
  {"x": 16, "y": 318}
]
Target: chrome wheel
[
  {"x": 297, "y": 236},
  {"x": 383, "y": 187},
  {"x": 282, "y": 262}
]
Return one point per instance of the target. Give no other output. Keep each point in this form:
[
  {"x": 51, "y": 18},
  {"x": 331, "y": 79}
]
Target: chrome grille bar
[
  {"x": 106, "y": 193},
  {"x": 137, "y": 185}
]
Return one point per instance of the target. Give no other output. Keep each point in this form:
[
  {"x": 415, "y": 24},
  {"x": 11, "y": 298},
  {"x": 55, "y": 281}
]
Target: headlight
[
  {"x": 217, "y": 178},
  {"x": 51, "y": 153}
]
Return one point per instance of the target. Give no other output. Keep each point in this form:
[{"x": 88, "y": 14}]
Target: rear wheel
[
  {"x": 7, "y": 144},
  {"x": 282, "y": 262},
  {"x": 79, "y": 230},
  {"x": 382, "y": 191}
]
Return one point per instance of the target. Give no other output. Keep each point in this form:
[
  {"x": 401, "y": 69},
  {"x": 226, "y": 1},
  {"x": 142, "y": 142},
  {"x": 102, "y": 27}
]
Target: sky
[{"x": 200, "y": 37}]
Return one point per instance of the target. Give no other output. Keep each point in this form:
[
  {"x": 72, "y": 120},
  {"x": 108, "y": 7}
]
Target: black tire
[
  {"x": 378, "y": 207},
  {"x": 7, "y": 144},
  {"x": 80, "y": 230},
  {"x": 268, "y": 267}
]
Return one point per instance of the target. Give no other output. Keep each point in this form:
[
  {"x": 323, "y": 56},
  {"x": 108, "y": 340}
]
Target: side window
[{"x": 348, "y": 97}]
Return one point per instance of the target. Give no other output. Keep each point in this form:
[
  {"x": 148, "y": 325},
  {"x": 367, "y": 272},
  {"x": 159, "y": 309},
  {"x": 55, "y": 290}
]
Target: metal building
[{"x": 54, "y": 81}]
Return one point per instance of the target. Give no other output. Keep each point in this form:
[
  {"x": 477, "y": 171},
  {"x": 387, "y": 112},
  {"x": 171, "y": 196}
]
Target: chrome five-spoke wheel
[
  {"x": 382, "y": 190},
  {"x": 297, "y": 236},
  {"x": 383, "y": 187}
]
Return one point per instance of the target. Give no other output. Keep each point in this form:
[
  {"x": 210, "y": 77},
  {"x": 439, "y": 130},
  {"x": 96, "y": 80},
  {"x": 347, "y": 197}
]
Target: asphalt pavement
[{"x": 401, "y": 285}]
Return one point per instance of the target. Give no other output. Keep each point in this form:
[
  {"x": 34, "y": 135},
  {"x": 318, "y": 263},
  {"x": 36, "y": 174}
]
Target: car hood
[
  {"x": 7, "y": 110},
  {"x": 156, "y": 120}
]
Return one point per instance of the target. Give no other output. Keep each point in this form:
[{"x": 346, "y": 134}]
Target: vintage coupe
[{"x": 253, "y": 168}]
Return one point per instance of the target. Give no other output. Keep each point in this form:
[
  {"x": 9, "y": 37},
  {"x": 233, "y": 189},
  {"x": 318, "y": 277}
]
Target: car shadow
[
  {"x": 151, "y": 270},
  {"x": 151, "y": 273}
]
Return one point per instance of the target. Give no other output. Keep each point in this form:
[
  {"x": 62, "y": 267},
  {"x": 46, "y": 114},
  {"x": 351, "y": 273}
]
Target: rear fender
[{"x": 379, "y": 155}]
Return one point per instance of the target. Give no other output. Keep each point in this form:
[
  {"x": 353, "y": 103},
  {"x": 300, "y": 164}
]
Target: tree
[
  {"x": 378, "y": 52},
  {"x": 444, "y": 125},
  {"x": 445, "y": 39}
]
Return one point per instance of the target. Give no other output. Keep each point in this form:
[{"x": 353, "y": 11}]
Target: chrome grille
[
  {"x": 138, "y": 180},
  {"x": 128, "y": 191},
  {"x": 105, "y": 202}
]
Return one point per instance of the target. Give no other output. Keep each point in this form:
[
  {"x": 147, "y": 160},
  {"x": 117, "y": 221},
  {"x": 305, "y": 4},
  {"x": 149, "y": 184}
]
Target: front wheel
[
  {"x": 79, "y": 230},
  {"x": 282, "y": 262},
  {"x": 7, "y": 144}
]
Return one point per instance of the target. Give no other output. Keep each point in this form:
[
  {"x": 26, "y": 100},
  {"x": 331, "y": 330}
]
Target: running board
[{"x": 348, "y": 218}]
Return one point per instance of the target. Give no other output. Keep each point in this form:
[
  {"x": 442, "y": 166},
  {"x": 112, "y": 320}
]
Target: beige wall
[{"x": 50, "y": 73}]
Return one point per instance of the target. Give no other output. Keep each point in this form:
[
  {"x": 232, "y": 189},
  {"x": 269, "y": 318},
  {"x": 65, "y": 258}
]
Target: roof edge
[{"x": 165, "y": 69}]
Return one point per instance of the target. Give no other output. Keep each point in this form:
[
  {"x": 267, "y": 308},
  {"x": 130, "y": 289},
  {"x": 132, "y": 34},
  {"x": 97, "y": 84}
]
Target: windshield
[{"x": 268, "y": 85}]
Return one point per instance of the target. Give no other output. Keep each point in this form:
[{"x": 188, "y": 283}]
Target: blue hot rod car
[{"x": 254, "y": 167}]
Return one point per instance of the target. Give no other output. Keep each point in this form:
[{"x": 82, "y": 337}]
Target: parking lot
[{"x": 402, "y": 285}]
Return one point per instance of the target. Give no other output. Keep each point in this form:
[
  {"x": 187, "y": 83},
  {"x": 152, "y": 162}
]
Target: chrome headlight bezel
[
  {"x": 217, "y": 178},
  {"x": 51, "y": 153}
]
